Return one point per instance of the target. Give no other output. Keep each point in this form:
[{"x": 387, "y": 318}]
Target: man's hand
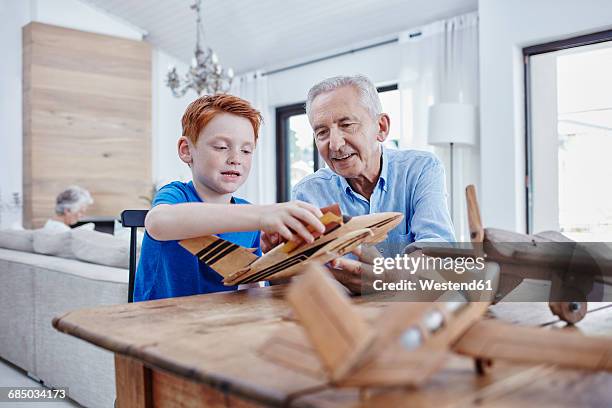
[{"x": 356, "y": 274}]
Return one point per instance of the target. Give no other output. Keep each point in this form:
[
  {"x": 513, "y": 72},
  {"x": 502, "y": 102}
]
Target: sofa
[{"x": 34, "y": 288}]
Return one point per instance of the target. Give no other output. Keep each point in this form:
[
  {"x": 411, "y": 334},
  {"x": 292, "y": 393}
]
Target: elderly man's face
[
  {"x": 71, "y": 218},
  {"x": 345, "y": 132}
]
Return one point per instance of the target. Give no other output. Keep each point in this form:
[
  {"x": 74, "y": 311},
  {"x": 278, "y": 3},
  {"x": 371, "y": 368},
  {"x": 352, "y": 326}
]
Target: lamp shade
[{"x": 452, "y": 123}]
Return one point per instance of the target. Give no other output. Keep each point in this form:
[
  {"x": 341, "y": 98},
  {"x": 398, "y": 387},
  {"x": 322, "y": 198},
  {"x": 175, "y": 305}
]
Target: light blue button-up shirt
[{"x": 411, "y": 182}]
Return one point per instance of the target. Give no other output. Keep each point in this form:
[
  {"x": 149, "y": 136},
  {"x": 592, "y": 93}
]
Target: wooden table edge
[{"x": 218, "y": 382}]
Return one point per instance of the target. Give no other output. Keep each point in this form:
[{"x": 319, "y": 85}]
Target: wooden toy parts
[
  {"x": 409, "y": 342},
  {"x": 571, "y": 267},
  {"x": 343, "y": 234}
]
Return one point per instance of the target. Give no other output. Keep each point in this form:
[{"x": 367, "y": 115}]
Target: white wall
[
  {"x": 380, "y": 64},
  {"x": 167, "y": 113},
  {"x": 505, "y": 28},
  {"x": 13, "y": 15},
  {"x": 166, "y": 110}
]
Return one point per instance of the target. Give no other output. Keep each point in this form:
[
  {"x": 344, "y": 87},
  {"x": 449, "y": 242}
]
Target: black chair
[{"x": 133, "y": 219}]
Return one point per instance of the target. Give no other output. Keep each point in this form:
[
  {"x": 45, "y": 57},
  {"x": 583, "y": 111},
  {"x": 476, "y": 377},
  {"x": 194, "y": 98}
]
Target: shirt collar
[
  {"x": 195, "y": 192},
  {"x": 382, "y": 180}
]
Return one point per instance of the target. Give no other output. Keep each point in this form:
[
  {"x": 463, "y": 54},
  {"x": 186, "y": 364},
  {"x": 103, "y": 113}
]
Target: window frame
[{"x": 574, "y": 42}]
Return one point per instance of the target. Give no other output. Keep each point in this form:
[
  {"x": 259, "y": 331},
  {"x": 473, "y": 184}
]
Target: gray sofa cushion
[
  {"x": 53, "y": 243},
  {"x": 19, "y": 240},
  {"x": 56, "y": 239},
  {"x": 69, "y": 266},
  {"x": 97, "y": 247}
]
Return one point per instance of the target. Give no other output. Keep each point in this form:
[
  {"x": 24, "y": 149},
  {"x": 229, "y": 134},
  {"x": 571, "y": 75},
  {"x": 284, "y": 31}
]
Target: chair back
[{"x": 133, "y": 219}]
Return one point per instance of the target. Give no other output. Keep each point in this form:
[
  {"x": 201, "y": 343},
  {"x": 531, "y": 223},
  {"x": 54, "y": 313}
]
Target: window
[
  {"x": 297, "y": 154},
  {"x": 569, "y": 137}
]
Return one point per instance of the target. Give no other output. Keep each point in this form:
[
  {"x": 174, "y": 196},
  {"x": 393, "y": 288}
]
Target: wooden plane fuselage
[{"x": 571, "y": 268}]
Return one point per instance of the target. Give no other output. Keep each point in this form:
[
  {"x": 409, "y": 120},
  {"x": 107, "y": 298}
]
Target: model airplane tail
[{"x": 221, "y": 255}]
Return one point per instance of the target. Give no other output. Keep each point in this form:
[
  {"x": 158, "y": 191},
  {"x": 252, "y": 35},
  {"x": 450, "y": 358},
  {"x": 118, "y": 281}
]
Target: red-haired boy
[{"x": 219, "y": 137}]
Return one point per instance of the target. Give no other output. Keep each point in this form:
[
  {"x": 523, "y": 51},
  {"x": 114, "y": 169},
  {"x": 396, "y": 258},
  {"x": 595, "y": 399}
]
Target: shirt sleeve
[
  {"x": 169, "y": 194},
  {"x": 431, "y": 219},
  {"x": 298, "y": 193}
]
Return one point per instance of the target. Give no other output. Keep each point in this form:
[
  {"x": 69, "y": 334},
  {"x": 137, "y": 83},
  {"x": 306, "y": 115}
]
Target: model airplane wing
[
  {"x": 490, "y": 339},
  {"x": 335, "y": 342},
  {"x": 405, "y": 346},
  {"x": 289, "y": 347},
  {"x": 221, "y": 255},
  {"x": 397, "y": 367}
]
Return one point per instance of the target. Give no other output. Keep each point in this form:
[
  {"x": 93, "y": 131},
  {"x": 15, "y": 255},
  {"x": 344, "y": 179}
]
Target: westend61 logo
[{"x": 413, "y": 264}]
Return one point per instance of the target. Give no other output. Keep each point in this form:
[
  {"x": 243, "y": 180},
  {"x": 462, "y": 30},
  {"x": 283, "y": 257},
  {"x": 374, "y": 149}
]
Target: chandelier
[{"x": 205, "y": 75}]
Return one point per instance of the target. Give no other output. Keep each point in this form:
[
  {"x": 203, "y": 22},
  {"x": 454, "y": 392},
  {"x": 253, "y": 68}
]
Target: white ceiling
[{"x": 251, "y": 34}]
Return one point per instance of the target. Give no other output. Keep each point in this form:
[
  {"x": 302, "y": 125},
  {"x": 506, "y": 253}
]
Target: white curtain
[
  {"x": 260, "y": 187},
  {"x": 439, "y": 63}
]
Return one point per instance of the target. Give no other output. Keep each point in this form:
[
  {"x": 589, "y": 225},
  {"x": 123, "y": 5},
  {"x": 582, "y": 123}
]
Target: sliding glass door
[{"x": 569, "y": 137}]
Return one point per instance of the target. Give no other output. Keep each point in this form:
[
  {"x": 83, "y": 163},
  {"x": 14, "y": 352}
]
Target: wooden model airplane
[
  {"x": 409, "y": 342},
  {"x": 342, "y": 235},
  {"x": 571, "y": 268}
]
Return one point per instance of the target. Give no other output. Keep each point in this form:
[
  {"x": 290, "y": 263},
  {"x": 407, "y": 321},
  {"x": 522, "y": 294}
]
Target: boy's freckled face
[{"x": 223, "y": 153}]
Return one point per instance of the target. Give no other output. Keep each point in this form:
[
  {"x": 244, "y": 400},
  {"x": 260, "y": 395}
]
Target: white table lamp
[{"x": 452, "y": 124}]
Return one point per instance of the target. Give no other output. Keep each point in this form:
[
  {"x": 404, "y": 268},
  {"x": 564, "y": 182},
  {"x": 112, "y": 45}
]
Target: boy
[{"x": 219, "y": 137}]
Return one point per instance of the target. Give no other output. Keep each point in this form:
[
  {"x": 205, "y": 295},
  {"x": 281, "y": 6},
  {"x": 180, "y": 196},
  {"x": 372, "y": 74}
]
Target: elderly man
[{"x": 364, "y": 177}]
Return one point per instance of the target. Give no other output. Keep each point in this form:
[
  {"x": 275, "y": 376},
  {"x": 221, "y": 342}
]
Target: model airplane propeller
[
  {"x": 238, "y": 265},
  {"x": 409, "y": 342}
]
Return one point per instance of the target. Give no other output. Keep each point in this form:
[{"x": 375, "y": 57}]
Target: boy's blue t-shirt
[{"x": 166, "y": 269}]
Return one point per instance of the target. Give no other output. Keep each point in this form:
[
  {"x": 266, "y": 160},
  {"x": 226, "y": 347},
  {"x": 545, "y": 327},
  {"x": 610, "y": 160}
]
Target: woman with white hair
[{"x": 70, "y": 205}]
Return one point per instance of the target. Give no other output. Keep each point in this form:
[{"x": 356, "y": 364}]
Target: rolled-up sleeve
[{"x": 431, "y": 219}]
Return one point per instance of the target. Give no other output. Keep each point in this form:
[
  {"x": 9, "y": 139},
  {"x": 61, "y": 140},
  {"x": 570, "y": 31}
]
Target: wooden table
[{"x": 201, "y": 351}]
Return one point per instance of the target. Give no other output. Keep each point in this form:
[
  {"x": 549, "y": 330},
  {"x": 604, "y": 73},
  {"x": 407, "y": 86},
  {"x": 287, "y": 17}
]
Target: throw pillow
[
  {"x": 100, "y": 248},
  {"x": 18, "y": 240},
  {"x": 52, "y": 243}
]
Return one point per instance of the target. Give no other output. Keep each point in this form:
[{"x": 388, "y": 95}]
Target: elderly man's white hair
[
  {"x": 365, "y": 87},
  {"x": 72, "y": 199}
]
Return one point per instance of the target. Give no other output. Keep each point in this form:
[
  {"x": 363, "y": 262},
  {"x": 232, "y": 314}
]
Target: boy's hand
[
  {"x": 290, "y": 220},
  {"x": 269, "y": 241}
]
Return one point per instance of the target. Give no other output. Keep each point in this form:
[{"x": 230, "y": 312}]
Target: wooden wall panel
[{"x": 86, "y": 120}]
